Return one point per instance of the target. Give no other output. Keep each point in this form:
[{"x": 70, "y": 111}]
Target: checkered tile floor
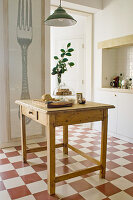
[{"x": 29, "y": 181}]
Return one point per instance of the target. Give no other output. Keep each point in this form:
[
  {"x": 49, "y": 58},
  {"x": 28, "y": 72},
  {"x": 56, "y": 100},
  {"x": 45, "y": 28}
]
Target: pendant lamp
[{"x": 60, "y": 18}]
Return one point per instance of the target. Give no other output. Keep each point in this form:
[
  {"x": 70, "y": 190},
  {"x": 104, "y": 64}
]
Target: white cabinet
[
  {"x": 110, "y": 98},
  {"x": 120, "y": 119},
  {"x": 125, "y": 116}
]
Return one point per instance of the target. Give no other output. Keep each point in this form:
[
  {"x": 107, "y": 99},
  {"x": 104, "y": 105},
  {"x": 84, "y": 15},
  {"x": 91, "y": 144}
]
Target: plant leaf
[
  {"x": 68, "y": 45},
  {"x": 70, "y": 50},
  {"x": 62, "y": 50},
  {"x": 68, "y": 54},
  {"x": 62, "y": 55},
  {"x": 71, "y": 64},
  {"x": 56, "y": 66},
  {"x": 53, "y": 73},
  {"x": 65, "y": 60},
  {"x": 56, "y": 57},
  {"x": 61, "y": 65}
]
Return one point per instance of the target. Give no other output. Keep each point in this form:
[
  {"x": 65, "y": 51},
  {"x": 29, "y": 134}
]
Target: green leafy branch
[{"x": 62, "y": 63}]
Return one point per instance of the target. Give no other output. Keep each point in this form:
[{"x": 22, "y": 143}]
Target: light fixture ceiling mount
[{"x": 60, "y": 18}]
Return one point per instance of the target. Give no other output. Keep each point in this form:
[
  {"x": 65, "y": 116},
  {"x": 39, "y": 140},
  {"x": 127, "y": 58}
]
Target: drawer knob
[{"x": 30, "y": 112}]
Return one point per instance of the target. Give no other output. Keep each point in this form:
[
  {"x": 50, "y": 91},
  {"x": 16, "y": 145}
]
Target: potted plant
[{"x": 62, "y": 62}]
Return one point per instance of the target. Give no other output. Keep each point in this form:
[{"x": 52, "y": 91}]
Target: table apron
[
  {"x": 35, "y": 115},
  {"x": 77, "y": 117},
  {"x": 64, "y": 118}
]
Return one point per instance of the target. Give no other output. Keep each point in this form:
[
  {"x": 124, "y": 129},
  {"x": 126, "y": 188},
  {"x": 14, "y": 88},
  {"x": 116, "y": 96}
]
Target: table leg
[
  {"x": 104, "y": 144},
  {"x": 51, "y": 155},
  {"x": 23, "y": 136},
  {"x": 65, "y": 139}
]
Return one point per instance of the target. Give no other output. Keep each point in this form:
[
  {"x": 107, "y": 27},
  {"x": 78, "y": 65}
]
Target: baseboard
[
  {"x": 30, "y": 140},
  {"x": 121, "y": 137}
]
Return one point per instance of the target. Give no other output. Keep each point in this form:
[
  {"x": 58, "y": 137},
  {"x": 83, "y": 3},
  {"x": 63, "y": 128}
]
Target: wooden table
[{"x": 54, "y": 117}]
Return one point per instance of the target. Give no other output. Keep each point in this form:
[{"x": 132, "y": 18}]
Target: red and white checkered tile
[{"x": 29, "y": 181}]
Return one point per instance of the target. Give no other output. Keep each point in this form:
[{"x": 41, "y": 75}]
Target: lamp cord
[{"x": 60, "y": 3}]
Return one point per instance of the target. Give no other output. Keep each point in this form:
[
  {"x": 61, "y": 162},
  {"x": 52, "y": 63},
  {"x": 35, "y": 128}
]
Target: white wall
[
  {"x": 115, "y": 20},
  {"x": 90, "y": 6},
  {"x": 90, "y": 3},
  {"x": 125, "y": 61}
]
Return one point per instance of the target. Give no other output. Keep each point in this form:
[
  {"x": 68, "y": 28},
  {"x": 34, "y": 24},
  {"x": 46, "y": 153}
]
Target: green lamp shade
[{"x": 60, "y": 18}]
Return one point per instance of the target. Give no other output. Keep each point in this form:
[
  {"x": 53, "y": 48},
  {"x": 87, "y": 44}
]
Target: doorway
[{"x": 78, "y": 77}]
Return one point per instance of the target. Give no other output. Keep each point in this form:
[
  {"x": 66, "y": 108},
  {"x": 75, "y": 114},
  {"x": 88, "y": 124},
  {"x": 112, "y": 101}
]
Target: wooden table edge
[{"x": 64, "y": 109}]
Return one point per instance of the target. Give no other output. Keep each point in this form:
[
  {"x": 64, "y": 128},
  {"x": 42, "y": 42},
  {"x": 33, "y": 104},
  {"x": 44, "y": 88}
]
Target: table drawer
[{"x": 31, "y": 113}]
